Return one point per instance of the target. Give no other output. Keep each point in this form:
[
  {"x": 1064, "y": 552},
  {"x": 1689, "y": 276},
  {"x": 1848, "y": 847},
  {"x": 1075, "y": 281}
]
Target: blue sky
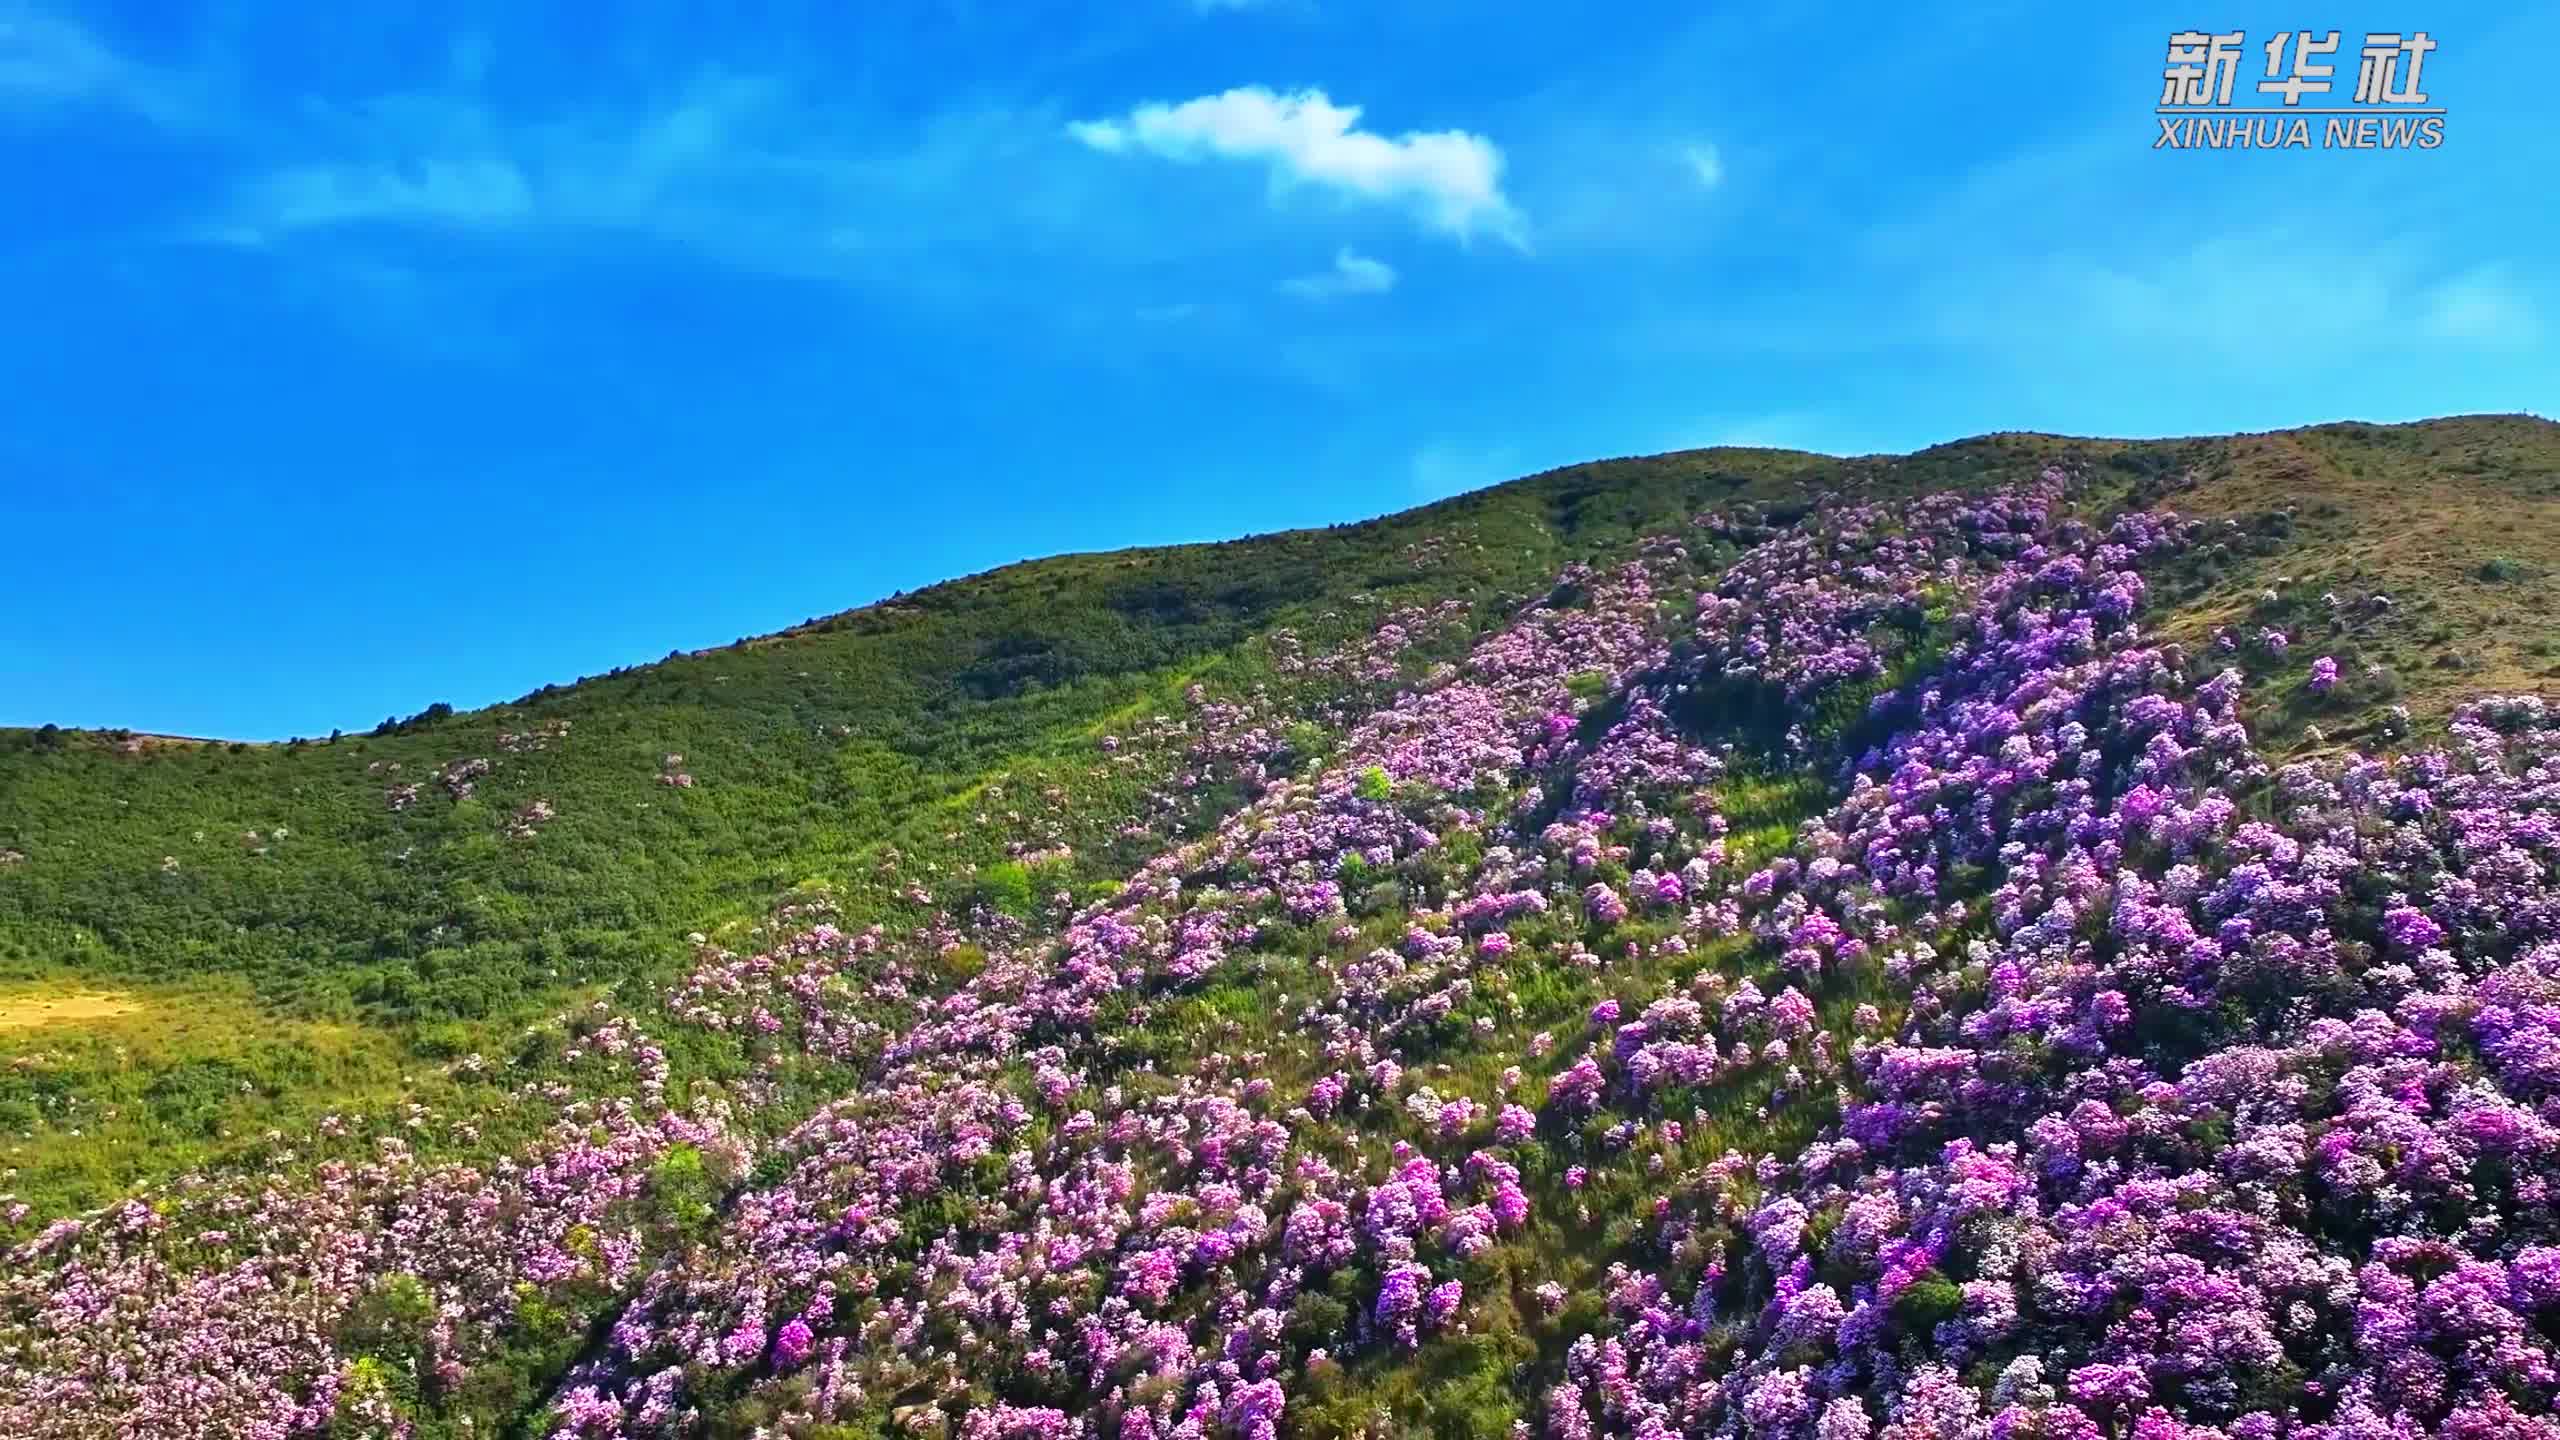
[{"x": 367, "y": 356}]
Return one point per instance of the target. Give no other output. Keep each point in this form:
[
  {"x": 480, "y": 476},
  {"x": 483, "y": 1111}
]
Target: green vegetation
[{"x": 333, "y": 925}]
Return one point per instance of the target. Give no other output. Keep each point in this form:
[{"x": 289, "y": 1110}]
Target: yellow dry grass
[
  {"x": 72, "y": 1007},
  {"x": 2414, "y": 511}
]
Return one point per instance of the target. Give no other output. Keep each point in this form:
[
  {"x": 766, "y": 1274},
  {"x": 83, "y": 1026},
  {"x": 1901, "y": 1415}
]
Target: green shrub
[
  {"x": 1355, "y": 874},
  {"x": 686, "y": 1195},
  {"x": 1006, "y": 886},
  {"x": 386, "y": 1334},
  {"x": 449, "y": 1040},
  {"x": 1930, "y": 1299},
  {"x": 1317, "y": 1320}
]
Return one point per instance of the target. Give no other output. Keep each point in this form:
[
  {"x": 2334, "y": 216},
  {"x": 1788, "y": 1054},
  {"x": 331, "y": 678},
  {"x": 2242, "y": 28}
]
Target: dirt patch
[{"x": 25, "y": 1012}]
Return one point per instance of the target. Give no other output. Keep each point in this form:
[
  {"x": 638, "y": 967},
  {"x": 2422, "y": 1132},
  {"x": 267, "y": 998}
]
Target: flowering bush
[{"x": 2055, "y": 1067}]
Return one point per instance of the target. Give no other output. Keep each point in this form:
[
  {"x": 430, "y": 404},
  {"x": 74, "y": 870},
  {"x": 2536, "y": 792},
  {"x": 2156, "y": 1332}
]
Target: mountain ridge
[{"x": 1137, "y": 555}]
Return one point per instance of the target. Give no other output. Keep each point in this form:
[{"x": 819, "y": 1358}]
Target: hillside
[{"x": 2042, "y": 937}]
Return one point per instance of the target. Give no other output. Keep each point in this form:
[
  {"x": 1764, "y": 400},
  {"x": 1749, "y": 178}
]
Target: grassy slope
[
  {"x": 405, "y": 938},
  {"x": 325, "y": 968},
  {"x": 2424, "y": 513}
]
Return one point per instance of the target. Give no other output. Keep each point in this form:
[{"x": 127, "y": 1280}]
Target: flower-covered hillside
[
  {"x": 1829, "y": 969},
  {"x": 397, "y": 896}
]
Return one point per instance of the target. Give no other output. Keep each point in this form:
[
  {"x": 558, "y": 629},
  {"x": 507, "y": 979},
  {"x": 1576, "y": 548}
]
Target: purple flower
[
  {"x": 791, "y": 1346},
  {"x": 1443, "y": 1302},
  {"x": 2409, "y": 929},
  {"x": 2110, "y": 1384}
]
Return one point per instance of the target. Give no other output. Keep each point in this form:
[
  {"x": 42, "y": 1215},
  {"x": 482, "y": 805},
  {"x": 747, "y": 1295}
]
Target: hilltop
[{"x": 1634, "y": 948}]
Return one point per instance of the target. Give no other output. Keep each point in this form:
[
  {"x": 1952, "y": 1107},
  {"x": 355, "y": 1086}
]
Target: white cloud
[
  {"x": 1451, "y": 179},
  {"x": 1352, "y": 274},
  {"x": 1104, "y": 135},
  {"x": 1705, "y": 163}
]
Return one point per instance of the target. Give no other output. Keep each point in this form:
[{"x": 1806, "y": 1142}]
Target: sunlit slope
[
  {"x": 2035, "y": 937},
  {"x": 357, "y": 913}
]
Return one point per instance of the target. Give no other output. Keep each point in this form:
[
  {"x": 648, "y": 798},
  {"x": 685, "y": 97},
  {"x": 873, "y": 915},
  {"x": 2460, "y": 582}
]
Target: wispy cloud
[
  {"x": 1705, "y": 162},
  {"x": 48, "y": 60},
  {"x": 1352, "y": 273},
  {"x": 2239, "y": 295},
  {"x": 1451, "y": 180},
  {"x": 464, "y": 191},
  {"x": 447, "y": 158},
  {"x": 740, "y": 170},
  {"x": 2482, "y": 306}
]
